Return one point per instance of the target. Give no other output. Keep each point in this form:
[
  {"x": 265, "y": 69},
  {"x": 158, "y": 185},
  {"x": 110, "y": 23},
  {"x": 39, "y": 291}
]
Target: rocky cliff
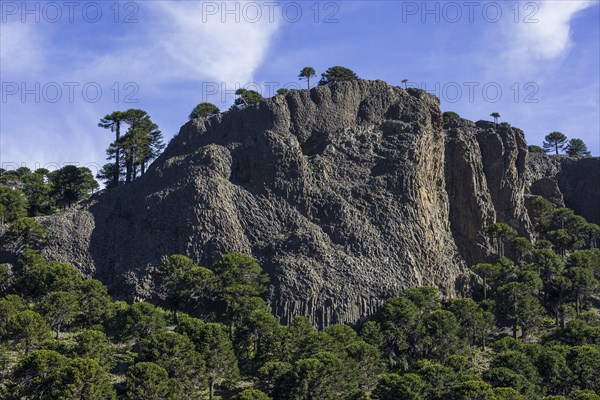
[
  {"x": 345, "y": 193},
  {"x": 567, "y": 182}
]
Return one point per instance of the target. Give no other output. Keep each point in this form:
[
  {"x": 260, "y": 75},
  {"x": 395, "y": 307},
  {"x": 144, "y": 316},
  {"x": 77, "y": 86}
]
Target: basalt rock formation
[
  {"x": 346, "y": 194},
  {"x": 570, "y": 182}
]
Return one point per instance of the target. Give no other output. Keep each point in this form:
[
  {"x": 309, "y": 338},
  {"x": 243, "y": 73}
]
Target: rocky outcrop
[
  {"x": 567, "y": 182},
  {"x": 346, "y": 194}
]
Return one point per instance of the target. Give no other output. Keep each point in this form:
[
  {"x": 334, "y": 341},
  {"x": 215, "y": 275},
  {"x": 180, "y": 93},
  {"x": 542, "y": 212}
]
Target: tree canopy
[
  {"x": 554, "y": 141},
  {"x": 337, "y": 74}
]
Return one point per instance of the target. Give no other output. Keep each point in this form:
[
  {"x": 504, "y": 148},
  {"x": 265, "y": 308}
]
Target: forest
[{"x": 529, "y": 329}]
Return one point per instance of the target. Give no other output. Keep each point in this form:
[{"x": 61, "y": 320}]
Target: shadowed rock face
[
  {"x": 574, "y": 183},
  {"x": 346, "y": 194}
]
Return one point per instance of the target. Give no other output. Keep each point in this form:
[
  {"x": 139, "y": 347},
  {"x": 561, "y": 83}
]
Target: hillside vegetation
[{"x": 530, "y": 331}]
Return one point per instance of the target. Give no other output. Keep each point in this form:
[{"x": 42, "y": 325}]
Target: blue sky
[{"x": 537, "y": 63}]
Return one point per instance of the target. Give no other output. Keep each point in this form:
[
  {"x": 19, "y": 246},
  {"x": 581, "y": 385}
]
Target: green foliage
[
  {"x": 416, "y": 346},
  {"x": 476, "y": 324},
  {"x": 251, "y": 394},
  {"x": 247, "y": 97},
  {"x": 70, "y": 184},
  {"x": 214, "y": 346},
  {"x": 13, "y": 204},
  {"x": 95, "y": 345},
  {"x": 473, "y": 389},
  {"x": 204, "y": 110},
  {"x": 29, "y": 328},
  {"x": 554, "y": 141},
  {"x": 501, "y": 233},
  {"x": 177, "y": 355},
  {"x": 576, "y": 148},
  {"x": 26, "y": 233},
  {"x": 535, "y": 149},
  {"x": 240, "y": 279},
  {"x": 60, "y": 309},
  {"x": 133, "y": 151},
  {"x": 518, "y": 305},
  {"x": 180, "y": 283},
  {"x": 150, "y": 381},
  {"x": 144, "y": 320},
  {"x": 37, "y": 375},
  {"x": 95, "y": 303},
  {"x": 337, "y": 74},
  {"x": 307, "y": 73},
  {"x": 283, "y": 91},
  {"x": 449, "y": 116},
  {"x": 393, "y": 387},
  {"x": 38, "y": 278}
]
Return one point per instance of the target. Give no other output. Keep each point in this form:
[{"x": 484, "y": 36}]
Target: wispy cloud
[
  {"x": 544, "y": 34},
  {"x": 22, "y": 49},
  {"x": 171, "y": 46}
]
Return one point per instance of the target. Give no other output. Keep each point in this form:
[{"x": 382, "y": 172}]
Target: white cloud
[
  {"x": 22, "y": 47},
  {"x": 170, "y": 47},
  {"x": 548, "y": 38},
  {"x": 178, "y": 46}
]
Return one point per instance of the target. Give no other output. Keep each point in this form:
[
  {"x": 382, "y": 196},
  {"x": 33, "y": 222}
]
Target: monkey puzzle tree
[
  {"x": 113, "y": 122},
  {"x": 576, "y": 148},
  {"x": 13, "y": 204},
  {"x": 450, "y": 116},
  {"x": 26, "y": 233},
  {"x": 337, "y": 74},
  {"x": 247, "y": 97},
  {"x": 142, "y": 143},
  {"x": 554, "y": 141},
  {"x": 204, "y": 110},
  {"x": 495, "y": 115},
  {"x": 500, "y": 232},
  {"x": 60, "y": 309},
  {"x": 307, "y": 73},
  {"x": 71, "y": 184}
]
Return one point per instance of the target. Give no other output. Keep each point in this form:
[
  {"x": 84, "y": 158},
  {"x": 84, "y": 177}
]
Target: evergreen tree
[
  {"x": 337, "y": 74},
  {"x": 204, "y": 110},
  {"x": 13, "y": 204},
  {"x": 576, "y": 148},
  {"x": 554, "y": 141},
  {"x": 307, "y": 73},
  {"x": 113, "y": 122},
  {"x": 247, "y": 97},
  {"x": 71, "y": 184}
]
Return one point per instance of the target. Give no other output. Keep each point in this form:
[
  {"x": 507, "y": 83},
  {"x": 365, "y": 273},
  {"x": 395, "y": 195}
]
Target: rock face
[
  {"x": 346, "y": 194},
  {"x": 569, "y": 182},
  {"x": 486, "y": 182}
]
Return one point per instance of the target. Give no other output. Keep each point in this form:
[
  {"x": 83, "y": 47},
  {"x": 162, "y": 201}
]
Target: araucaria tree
[
  {"x": 135, "y": 150},
  {"x": 495, "y": 115},
  {"x": 307, "y": 73},
  {"x": 204, "y": 110},
  {"x": 577, "y": 149},
  {"x": 554, "y": 141},
  {"x": 337, "y": 74},
  {"x": 247, "y": 97},
  {"x": 113, "y": 122}
]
